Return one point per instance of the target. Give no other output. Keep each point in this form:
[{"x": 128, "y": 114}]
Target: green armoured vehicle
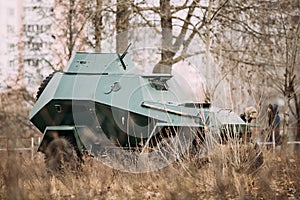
[{"x": 100, "y": 102}]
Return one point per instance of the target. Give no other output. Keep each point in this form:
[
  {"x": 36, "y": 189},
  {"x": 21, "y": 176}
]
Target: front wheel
[{"x": 61, "y": 157}]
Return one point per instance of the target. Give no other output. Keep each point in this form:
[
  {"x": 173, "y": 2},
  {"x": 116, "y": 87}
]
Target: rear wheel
[{"x": 43, "y": 85}]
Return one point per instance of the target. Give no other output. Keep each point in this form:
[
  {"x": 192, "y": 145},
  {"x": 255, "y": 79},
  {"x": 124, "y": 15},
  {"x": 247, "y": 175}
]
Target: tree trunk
[
  {"x": 165, "y": 64},
  {"x": 98, "y": 26},
  {"x": 297, "y": 115},
  {"x": 208, "y": 67},
  {"x": 298, "y": 133},
  {"x": 122, "y": 23},
  {"x": 285, "y": 124},
  {"x": 70, "y": 42}
]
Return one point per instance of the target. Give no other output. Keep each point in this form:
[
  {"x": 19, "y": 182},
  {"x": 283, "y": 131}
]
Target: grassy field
[
  {"x": 220, "y": 175},
  {"x": 225, "y": 173}
]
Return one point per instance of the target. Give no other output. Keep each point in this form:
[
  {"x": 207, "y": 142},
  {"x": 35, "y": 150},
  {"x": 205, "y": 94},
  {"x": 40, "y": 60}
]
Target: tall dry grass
[
  {"x": 226, "y": 172},
  {"x": 220, "y": 175}
]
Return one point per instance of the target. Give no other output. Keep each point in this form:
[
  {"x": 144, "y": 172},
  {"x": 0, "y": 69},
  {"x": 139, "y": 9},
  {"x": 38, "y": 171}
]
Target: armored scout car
[{"x": 100, "y": 101}]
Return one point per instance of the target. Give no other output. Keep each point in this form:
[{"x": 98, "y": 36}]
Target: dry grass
[
  {"x": 219, "y": 176},
  {"x": 227, "y": 172}
]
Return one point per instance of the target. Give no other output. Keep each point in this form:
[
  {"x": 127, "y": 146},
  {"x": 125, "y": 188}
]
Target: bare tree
[
  {"x": 291, "y": 92},
  {"x": 261, "y": 39},
  {"x": 70, "y": 21},
  {"x": 180, "y": 24}
]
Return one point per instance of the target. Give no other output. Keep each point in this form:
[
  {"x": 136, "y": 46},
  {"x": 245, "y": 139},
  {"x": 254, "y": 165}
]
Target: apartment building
[
  {"x": 25, "y": 48},
  {"x": 9, "y": 30},
  {"x": 36, "y": 37}
]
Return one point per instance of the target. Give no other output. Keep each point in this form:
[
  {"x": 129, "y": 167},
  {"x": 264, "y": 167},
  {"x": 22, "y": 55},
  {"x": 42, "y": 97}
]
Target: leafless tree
[
  {"x": 179, "y": 24},
  {"x": 70, "y": 20},
  {"x": 291, "y": 88},
  {"x": 262, "y": 40}
]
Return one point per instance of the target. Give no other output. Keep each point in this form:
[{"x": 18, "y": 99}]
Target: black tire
[
  {"x": 60, "y": 157},
  {"x": 43, "y": 85}
]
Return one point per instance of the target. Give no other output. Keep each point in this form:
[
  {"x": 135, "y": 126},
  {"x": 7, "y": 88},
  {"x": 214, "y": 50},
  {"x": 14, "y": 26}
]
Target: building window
[
  {"x": 11, "y": 12},
  {"x": 10, "y": 29},
  {"x": 11, "y": 47},
  {"x": 35, "y": 28},
  {"x": 36, "y": 45},
  {"x": 11, "y": 63},
  {"x": 32, "y": 62}
]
